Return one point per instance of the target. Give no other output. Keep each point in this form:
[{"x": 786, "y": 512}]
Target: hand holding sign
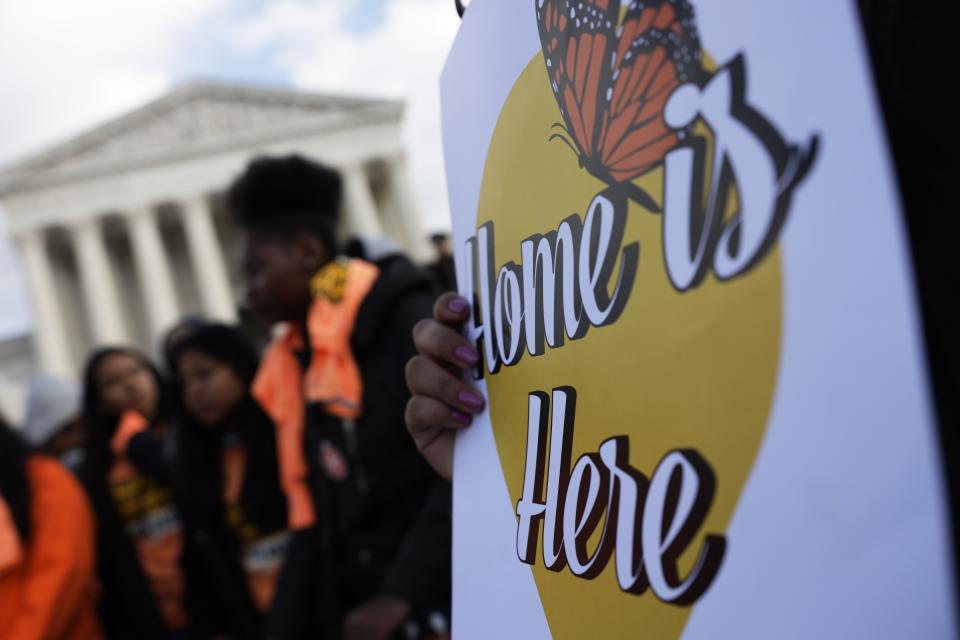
[{"x": 441, "y": 403}]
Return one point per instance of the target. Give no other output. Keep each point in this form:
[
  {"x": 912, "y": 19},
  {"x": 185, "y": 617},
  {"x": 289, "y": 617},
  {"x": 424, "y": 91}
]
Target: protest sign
[{"x": 709, "y": 412}]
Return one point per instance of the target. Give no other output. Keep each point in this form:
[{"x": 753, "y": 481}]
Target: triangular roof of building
[{"x": 194, "y": 118}]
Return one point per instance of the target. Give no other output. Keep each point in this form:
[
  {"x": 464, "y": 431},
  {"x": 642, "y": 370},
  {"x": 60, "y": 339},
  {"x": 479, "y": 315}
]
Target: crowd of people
[
  {"x": 225, "y": 493},
  {"x": 303, "y": 492}
]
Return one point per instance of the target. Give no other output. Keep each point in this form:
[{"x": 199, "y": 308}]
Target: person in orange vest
[
  {"x": 370, "y": 551},
  {"x": 128, "y": 470},
  {"x": 47, "y": 548}
]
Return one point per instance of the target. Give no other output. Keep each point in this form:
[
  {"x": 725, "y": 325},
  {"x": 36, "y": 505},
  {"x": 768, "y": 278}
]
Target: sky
[{"x": 66, "y": 66}]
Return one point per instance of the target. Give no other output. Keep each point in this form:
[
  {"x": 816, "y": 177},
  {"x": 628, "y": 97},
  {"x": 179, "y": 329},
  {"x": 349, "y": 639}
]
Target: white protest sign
[{"x": 709, "y": 413}]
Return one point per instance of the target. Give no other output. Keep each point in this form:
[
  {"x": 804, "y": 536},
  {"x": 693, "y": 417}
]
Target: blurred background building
[
  {"x": 122, "y": 230},
  {"x": 112, "y": 234}
]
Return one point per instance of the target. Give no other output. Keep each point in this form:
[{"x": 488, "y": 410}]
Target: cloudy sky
[{"x": 66, "y": 66}]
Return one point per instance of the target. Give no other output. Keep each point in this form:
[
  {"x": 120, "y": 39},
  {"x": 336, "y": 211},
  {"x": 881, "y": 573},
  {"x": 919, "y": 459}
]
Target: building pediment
[{"x": 193, "y": 119}]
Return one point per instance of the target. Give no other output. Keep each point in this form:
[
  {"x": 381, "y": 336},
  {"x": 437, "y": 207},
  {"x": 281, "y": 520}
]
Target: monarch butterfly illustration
[{"x": 612, "y": 78}]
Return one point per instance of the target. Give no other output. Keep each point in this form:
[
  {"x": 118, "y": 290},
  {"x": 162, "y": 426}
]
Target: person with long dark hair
[
  {"x": 129, "y": 474},
  {"x": 47, "y": 565},
  {"x": 228, "y": 463}
]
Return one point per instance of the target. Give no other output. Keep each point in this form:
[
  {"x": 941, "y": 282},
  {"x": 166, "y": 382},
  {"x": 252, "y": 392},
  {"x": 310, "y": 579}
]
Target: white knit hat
[{"x": 51, "y": 404}]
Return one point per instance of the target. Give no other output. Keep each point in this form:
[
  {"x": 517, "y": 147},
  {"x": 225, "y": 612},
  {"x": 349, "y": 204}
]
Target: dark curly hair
[{"x": 287, "y": 195}]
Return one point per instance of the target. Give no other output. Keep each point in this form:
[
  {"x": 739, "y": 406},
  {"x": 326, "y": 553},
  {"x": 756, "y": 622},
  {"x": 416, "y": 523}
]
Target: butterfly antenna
[
  {"x": 560, "y": 136},
  {"x": 565, "y": 137},
  {"x": 633, "y": 192},
  {"x": 563, "y": 128}
]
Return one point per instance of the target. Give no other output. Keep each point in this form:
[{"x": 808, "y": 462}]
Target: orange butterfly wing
[
  {"x": 577, "y": 38},
  {"x": 612, "y": 79},
  {"x": 658, "y": 50}
]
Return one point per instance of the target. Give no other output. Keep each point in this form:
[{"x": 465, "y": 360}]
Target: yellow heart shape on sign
[{"x": 692, "y": 370}]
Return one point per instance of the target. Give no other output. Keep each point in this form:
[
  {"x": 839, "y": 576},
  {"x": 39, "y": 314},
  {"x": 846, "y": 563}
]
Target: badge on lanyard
[{"x": 333, "y": 462}]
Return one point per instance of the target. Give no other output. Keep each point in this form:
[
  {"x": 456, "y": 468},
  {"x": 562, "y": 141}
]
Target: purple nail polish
[
  {"x": 461, "y": 418},
  {"x": 471, "y": 399},
  {"x": 467, "y": 355},
  {"x": 457, "y": 305}
]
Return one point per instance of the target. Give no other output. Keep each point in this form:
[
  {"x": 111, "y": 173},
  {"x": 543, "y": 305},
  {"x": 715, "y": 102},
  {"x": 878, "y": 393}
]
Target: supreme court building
[{"x": 122, "y": 230}]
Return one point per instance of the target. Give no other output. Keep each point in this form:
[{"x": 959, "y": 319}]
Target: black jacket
[
  {"x": 127, "y": 606},
  {"x": 229, "y": 609},
  {"x": 384, "y": 524},
  {"x": 217, "y": 599}
]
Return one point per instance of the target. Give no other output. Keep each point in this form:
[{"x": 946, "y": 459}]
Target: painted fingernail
[
  {"x": 461, "y": 418},
  {"x": 457, "y": 305},
  {"x": 471, "y": 399},
  {"x": 467, "y": 355}
]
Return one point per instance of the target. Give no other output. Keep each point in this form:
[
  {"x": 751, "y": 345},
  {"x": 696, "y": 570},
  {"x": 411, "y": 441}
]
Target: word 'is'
[{"x": 564, "y": 283}]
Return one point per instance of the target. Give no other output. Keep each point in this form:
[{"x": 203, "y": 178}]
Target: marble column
[
  {"x": 51, "y": 341},
  {"x": 410, "y": 222},
  {"x": 153, "y": 271},
  {"x": 208, "y": 263},
  {"x": 360, "y": 215},
  {"x": 99, "y": 287}
]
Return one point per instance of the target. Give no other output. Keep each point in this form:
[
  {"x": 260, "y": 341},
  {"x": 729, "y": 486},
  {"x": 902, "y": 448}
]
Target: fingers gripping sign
[{"x": 441, "y": 403}]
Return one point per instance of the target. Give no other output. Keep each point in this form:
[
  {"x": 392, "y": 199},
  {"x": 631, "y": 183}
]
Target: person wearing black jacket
[
  {"x": 911, "y": 45},
  {"x": 233, "y": 503},
  {"x": 143, "y": 559},
  {"x": 370, "y": 555}
]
